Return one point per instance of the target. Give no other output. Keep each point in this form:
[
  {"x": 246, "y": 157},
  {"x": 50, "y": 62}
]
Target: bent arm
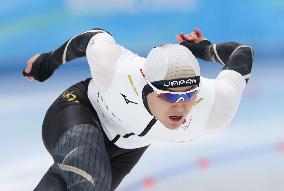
[
  {"x": 44, "y": 66},
  {"x": 231, "y": 81},
  {"x": 233, "y": 56}
]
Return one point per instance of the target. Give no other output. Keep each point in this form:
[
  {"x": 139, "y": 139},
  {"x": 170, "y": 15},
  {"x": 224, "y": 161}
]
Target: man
[{"x": 98, "y": 129}]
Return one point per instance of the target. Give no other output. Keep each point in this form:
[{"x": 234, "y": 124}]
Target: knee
[
  {"x": 81, "y": 180},
  {"x": 82, "y": 160}
]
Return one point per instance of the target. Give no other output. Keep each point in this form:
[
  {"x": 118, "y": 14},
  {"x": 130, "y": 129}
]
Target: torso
[{"x": 122, "y": 112}]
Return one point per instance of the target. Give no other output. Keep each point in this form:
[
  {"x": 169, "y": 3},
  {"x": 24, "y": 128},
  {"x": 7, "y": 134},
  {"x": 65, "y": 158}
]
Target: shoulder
[
  {"x": 105, "y": 58},
  {"x": 100, "y": 41},
  {"x": 104, "y": 45},
  {"x": 228, "y": 89},
  {"x": 101, "y": 37}
]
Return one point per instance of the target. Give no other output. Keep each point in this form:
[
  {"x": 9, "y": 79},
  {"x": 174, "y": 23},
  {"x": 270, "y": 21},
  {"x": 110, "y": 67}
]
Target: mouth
[{"x": 176, "y": 118}]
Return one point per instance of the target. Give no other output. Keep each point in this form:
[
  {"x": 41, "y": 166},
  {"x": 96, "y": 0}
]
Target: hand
[
  {"x": 196, "y": 36},
  {"x": 30, "y": 65}
]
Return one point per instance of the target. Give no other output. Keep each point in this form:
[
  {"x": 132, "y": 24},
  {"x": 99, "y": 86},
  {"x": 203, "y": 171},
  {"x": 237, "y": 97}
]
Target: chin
[{"x": 171, "y": 126}]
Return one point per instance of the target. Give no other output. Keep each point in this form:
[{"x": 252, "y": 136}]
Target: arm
[
  {"x": 231, "y": 81},
  {"x": 41, "y": 66},
  {"x": 233, "y": 56}
]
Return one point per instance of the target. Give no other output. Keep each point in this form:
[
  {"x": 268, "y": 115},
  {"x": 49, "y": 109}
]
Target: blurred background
[{"x": 247, "y": 156}]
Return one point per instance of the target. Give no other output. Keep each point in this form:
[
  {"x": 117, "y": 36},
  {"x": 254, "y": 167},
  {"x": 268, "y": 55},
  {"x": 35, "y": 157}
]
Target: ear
[{"x": 145, "y": 102}]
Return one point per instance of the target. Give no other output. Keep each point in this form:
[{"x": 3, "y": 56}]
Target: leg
[
  {"x": 121, "y": 161},
  {"x": 72, "y": 134},
  {"x": 122, "y": 164},
  {"x": 82, "y": 160},
  {"x": 51, "y": 182}
]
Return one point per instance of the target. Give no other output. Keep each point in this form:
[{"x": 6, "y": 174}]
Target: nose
[{"x": 179, "y": 105}]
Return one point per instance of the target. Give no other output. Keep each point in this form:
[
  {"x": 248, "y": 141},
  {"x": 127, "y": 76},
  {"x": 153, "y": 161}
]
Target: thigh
[
  {"x": 71, "y": 108},
  {"x": 72, "y": 135},
  {"x": 81, "y": 159}
]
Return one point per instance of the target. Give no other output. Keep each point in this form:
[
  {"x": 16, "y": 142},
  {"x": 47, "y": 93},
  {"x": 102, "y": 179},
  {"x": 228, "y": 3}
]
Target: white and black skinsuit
[{"x": 98, "y": 129}]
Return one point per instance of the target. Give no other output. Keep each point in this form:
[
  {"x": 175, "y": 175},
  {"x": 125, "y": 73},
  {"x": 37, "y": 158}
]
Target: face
[{"x": 171, "y": 115}]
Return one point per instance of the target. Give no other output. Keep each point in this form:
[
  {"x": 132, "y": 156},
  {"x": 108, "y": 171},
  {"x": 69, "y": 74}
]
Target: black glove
[
  {"x": 199, "y": 50},
  {"x": 43, "y": 67}
]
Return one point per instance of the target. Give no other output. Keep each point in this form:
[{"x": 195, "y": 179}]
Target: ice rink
[{"x": 246, "y": 156}]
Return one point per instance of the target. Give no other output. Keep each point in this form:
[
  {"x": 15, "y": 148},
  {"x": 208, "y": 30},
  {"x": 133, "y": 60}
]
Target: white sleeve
[
  {"x": 102, "y": 54},
  {"x": 229, "y": 86}
]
